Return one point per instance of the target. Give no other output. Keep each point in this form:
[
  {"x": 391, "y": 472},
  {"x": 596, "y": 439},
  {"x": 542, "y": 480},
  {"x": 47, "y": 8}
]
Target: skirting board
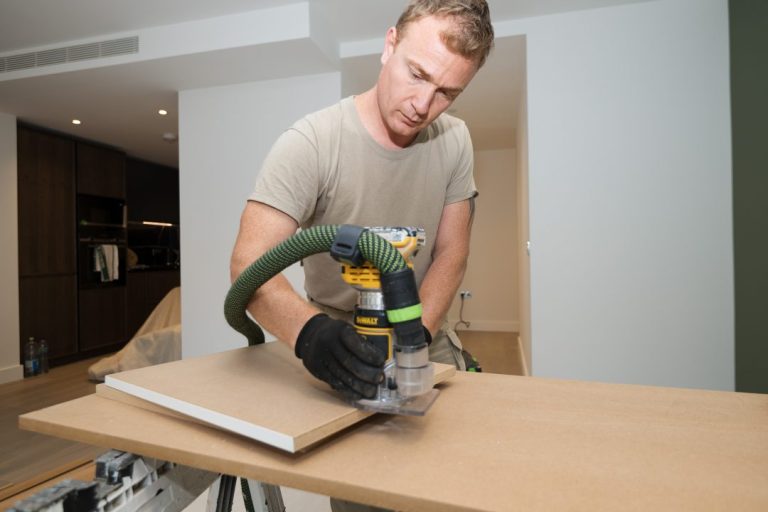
[
  {"x": 490, "y": 325},
  {"x": 262, "y": 392},
  {"x": 11, "y": 373}
]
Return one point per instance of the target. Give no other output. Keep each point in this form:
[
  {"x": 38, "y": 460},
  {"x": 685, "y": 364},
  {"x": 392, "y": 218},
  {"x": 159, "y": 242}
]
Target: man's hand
[{"x": 333, "y": 352}]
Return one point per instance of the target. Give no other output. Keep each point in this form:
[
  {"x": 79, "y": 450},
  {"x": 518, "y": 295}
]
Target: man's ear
[{"x": 390, "y": 41}]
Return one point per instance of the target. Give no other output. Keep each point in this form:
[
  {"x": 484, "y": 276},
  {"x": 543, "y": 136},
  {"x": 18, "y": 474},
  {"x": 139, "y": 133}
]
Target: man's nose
[{"x": 423, "y": 99}]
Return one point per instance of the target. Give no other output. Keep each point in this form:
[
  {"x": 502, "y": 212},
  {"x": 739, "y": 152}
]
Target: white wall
[
  {"x": 523, "y": 232},
  {"x": 224, "y": 133},
  {"x": 491, "y": 273},
  {"x": 10, "y": 369},
  {"x": 629, "y": 183},
  {"x": 630, "y": 194}
]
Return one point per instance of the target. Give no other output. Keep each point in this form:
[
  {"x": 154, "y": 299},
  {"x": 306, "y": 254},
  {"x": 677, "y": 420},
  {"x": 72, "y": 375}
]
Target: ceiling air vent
[
  {"x": 20, "y": 61},
  {"x": 83, "y": 52},
  {"x": 119, "y": 46},
  {"x": 97, "y": 50},
  {"x": 55, "y": 56}
]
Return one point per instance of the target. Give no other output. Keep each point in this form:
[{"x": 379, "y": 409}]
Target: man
[{"x": 384, "y": 157}]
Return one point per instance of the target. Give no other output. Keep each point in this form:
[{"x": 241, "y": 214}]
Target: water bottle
[
  {"x": 43, "y": 356},
  {"x": 31, "y": 360}
]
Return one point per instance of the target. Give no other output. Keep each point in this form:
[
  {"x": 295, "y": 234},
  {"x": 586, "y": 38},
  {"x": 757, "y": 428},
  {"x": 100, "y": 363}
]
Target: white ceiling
[{"x": 120, "y": 102}]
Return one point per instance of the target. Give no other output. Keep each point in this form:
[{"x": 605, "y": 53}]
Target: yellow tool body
[
  {"x": 405, "y": 239},
  {"x": 405, "y": 390},
  {"x": 370, "y": 317}
]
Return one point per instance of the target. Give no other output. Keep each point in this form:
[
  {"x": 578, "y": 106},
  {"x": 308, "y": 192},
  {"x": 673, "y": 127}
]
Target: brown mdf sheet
[
  {"x": 489, "y": 443},
  {"x": 262, "y": 392}
]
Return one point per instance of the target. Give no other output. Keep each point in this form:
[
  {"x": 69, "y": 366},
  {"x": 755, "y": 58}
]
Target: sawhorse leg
[{"x": 258, "y": 496}]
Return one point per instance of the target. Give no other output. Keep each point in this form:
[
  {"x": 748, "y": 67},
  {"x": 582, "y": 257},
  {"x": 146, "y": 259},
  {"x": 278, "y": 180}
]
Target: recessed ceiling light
[
  {"x": 162, "y": 112},
  {"x": 75, "y": 121}
]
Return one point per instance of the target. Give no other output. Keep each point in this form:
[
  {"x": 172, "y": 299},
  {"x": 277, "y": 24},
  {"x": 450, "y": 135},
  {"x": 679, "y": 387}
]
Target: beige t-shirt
[{"x": 327, "y": 169}]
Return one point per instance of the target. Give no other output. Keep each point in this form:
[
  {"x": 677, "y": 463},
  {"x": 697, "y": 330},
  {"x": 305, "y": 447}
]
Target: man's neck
[{"x": 368, "y": 111}]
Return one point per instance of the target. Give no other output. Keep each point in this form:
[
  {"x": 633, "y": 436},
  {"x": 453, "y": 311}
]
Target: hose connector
[{"x": 401, "y": 298}]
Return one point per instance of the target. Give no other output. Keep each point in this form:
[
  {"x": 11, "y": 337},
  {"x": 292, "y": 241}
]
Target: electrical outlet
[{"x": 465, "y": 294}]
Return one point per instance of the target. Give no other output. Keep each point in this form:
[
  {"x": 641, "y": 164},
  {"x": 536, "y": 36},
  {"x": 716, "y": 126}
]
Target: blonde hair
[{"x": 472, "y": 33}]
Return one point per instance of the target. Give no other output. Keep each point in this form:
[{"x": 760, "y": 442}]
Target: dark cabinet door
[
  {"x": 145, "y": 291},
  {"x": 46, "y": 185},
  {"x": 102, "y": 317},
  {"x": 100, "y": 171},
  {"x": 48, "y": 310},
  {"x": 152, "y": 191}
]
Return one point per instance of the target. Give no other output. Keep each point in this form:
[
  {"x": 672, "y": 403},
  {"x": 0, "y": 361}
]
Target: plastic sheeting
[{"x": 157, "y": 341}]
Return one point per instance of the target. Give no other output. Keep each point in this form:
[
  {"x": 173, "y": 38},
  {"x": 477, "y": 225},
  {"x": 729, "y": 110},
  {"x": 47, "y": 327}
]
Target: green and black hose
[{"x": 398, "y": 283}]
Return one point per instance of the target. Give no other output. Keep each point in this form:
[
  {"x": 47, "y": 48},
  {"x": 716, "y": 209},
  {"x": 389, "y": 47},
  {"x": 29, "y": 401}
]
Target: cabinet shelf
[
  {"x": 102, "y": 225},
  {"x": 151, "y": 224}
]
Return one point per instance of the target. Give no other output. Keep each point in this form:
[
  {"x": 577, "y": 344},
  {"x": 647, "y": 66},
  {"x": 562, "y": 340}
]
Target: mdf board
[
  {"x": 489, "y": 443},
  {"x": 262, "y": 392}
]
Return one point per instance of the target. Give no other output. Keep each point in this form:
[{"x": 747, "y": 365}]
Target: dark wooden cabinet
[
  {"x": 47, "y": 241},
  {"x": 46, "y": 186},
  {"x": 73, "y": 194},
  {"x": 100, "y": 171},
  {"x": 101, "y": 317},
  {"x": 152, "y": 195},
  {"x": 53, "y": 171},
  {"x": 48, "y": 310},
  {"x": 101, "y": 308},
  {"x": 145, "y": 290},
  {"x": 152, "y": 192}
]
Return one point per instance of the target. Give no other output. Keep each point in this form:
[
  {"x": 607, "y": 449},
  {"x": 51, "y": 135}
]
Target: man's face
[{"x": 420, "y": 78}]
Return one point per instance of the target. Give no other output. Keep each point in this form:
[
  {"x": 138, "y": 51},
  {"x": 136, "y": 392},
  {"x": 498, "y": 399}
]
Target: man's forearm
[
  {"x": 449, "y": 262},
  {"x": 280, "y": 310},
  {"x": 275, "y": 305},
  {"x": 439, "y": 288}
]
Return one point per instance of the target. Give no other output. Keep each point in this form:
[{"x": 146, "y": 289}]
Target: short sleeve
[
  {"x": 462, "y": 182},
  {"x": 289, "y": 179}
]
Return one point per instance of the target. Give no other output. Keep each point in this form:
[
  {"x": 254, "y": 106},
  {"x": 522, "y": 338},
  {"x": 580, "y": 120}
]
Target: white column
[
  {"x": 10, "y": 369},
  {"x": 224, "y": 134},
  {"x": 630, "y": 194}
]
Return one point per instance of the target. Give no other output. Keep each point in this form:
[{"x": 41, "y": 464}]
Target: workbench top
[{"x": 490, "y": 443}]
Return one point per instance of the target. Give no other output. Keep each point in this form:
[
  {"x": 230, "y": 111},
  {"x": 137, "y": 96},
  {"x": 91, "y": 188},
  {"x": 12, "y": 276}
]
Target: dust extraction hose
[{"x": 317, "y": 239}]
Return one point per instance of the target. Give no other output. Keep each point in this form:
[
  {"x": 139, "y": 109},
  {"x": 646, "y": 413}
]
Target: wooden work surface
[
  {"x": 490, "y": 442},
  {"x": 262, "y": 392}
]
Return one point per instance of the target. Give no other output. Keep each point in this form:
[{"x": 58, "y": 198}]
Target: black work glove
[{"x": 333, "y": 352}]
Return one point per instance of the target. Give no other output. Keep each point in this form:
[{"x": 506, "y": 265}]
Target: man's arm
[
  {"x": 449, "y": 262},
  {"x": 330, "y": 349},
  {"x": 275, "y": 305}
]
